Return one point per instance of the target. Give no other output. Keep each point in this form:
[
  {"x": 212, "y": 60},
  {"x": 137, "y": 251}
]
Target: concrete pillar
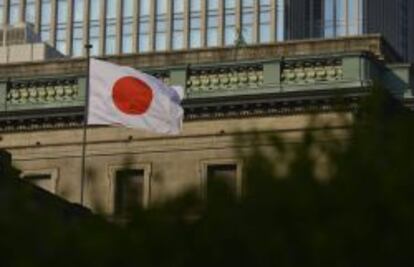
[
  {"x": 272, "y": 73},
  {"x": 3, "y": 95},
  {"x": 102, "y": 27},
  {"x": 178, "y": 76},
  {"x": 69, "y": 26},
  {"x": 203, "y": 26},
  {"x": 186, "y": 22},
  {"x": 135, "y": 26},
  {"x": 85, "y": 26},
  {"x": 53, "y": 22},
  {"x": 118, "y": 37}
]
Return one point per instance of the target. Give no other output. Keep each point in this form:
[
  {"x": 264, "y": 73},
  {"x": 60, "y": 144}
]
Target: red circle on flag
[{"x": 131, "y": 95}]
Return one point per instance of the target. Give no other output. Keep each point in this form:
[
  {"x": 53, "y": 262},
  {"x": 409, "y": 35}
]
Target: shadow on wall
[{"x": 359, "y": 215}]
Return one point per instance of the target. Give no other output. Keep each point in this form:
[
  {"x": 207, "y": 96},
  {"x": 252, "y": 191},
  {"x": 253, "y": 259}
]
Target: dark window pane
[
  {"x": 223, "y": 173},
  {"x": 129, "y": 190}
]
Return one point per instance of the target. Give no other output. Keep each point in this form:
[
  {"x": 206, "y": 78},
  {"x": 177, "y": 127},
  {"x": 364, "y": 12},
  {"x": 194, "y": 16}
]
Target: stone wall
[{"x": 174, "y": 163}]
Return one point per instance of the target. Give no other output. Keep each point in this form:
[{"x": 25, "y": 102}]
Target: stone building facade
[{"x": 230, "y": 92}]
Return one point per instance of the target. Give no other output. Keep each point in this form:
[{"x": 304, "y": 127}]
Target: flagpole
[{"x": 85, "y": 124}]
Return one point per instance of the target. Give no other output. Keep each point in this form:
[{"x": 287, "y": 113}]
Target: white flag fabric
[{"x": 121, "y": 95}]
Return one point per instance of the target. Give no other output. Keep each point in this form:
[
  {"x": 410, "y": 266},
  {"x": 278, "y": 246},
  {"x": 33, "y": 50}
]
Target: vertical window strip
[
  {"x": 280, "y": 23},
  {"x": 195, "y": 24},
  {"x": 144, "y": 26},
  {"x": 110, "y": 27},
  {"x": 45, "y": 20},
  {"x": 161, "y": 25},
  {"x": 178, "y": 24},
  {"x": 247, "y": 20},
  {"x": 62, "y": 17},
  {"x": 30, "y": 11},
  {"x": 213, "y": 23},
  {"x": 352, "y": 17},
  {"x": 127, "y": 21},
  {"x": 265, "y": 21},
  {"x": 1, "y": 11},
  {"x": 14, "y": 11},
  {"x": 94, "y": 26},
  {"x": 361, "y": 18},
  {"x": 229, "y": 22},
  {"x": 77, "y": 28},
  {"x": 329, "y": 21},
  {"x": 340, "y": 21}
]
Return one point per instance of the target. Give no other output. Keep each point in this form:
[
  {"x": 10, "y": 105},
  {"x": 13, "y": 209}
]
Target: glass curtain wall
[
  {"x": 62, "y": 18},
  {"x": 110, "y": 27},
  {"x": 213, "y": 21},
  {"x": 127, "y": 27},
  {"x": 247, "y": 20},
  {"x": 77, "y": 28},
  {"x": 161, "y": 25},
  {"x": 144, "y": 29},
  {"x": 169, "y": 24},
  {"x": 343, "y": 17},
  {"x": 45, "y": 19},
  {"x": 178, "y": 24},
  {"x": 229, "y": 22},
  {"x": 195, "y": 24},
  {"x": 280, "y": 22},
  {"x": 14, "y": 11},
  {"x": 265, "y": 21},
  {"x": 30, "y": 11},
  {"x": 94, "y": 26}
]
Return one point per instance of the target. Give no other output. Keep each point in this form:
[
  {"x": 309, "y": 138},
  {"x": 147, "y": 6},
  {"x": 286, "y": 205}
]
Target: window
[
  {"x": 280, "y": 20},
  {"x": 178, "y": 24},
  {"x": 127, "y": 19},
  {"x": 224, "y": 171},
  {"x": 161, "y": 25},
  {"x": 94, "y": 26},
  {"x": 247, "y": 20},
  {"x": 77, "y": 38},
  {"x": 14, "y": 11},
  {"x": 30, "y": 11},
  {"x": 340, "y": 17},
  {"x": 195, "y": 23},
  {"x": 110, "y": 27},
  {"x": 45, "y": 179},
  {"x": 1, "y": 11},
  {"x": 265, "y": 21},
  {"x": 230, "y": 22},
  {"x": 130, "y": 187},
  {"x": 144, "y": 26},
  {"x": 62, "y": 16},
  {"x": 129, "y": 190},
  {"x": 343, "y": 17},
  {"x": 212, "y": 23},
  {"x": 45, "y": 20},
  {"x": 329, "y": 18}
]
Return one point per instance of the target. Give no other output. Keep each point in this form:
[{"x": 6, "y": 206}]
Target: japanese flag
[{"x": 124, "y": 96}]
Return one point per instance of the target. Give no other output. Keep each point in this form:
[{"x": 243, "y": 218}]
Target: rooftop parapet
[
  {"x": 55, "y": 90},
  {"x": 374, "y": 45}
]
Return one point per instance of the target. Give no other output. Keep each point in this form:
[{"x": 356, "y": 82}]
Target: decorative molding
[
  {"x": 207, "y": 109},
  {"x": 40, "y": 92},
  {"x": 311, "y": 71},
  {"x": 225, "y": 78}
]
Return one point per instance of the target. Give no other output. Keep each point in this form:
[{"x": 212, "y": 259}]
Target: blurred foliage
[{"x": 361, "y": 215}]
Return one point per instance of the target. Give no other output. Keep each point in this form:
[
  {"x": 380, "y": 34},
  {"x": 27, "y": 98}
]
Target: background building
[
  {"x": 337, "y": 18},
  {"x": 130, "y": 26},
  {"x": 231, "y": 88},
  {"x": 230, "y": 92}
]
